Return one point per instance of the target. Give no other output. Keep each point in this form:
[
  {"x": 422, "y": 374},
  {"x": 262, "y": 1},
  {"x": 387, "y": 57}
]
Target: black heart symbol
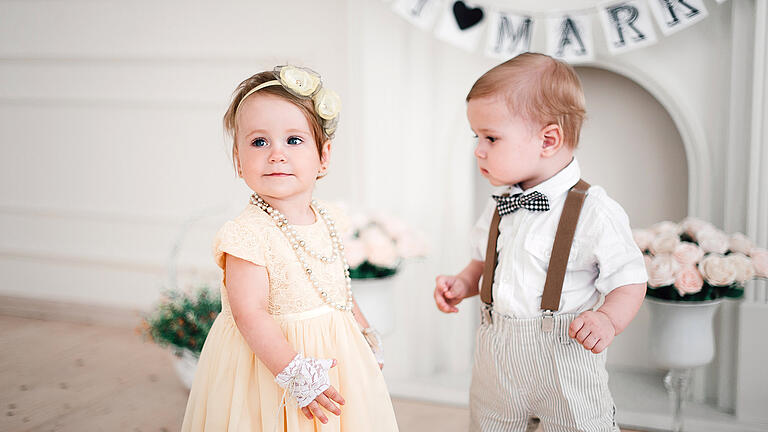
[{"x": 466, "y": 17}]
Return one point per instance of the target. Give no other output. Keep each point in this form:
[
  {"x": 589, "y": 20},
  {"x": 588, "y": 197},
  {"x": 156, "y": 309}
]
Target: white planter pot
[
  {"x": 376, "y": 300},
  {"x": 681, "y": 333},
  {"x": 185, "y": 364}
]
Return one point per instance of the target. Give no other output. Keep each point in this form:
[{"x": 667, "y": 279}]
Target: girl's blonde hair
[
  {"x": 540, "y": 89},
  {"x": 306, "y": 106}
]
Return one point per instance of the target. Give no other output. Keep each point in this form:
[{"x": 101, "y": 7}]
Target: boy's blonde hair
[
  {"x": 540, "y": 89},
  {"x": 306, "y": 106}
]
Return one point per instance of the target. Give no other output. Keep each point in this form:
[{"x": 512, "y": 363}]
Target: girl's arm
[
  {"x": 360, "y": 318},
  {"x": 247, "y": 287}
]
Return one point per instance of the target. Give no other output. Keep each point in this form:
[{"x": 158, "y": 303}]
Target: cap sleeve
[{"x": 238, "y": 240}]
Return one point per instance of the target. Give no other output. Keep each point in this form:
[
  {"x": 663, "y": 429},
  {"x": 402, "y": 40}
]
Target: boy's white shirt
[{"x": 604, "y": 255}]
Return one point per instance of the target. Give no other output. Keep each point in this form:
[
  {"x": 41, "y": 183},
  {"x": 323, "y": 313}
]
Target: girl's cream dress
[{"x": 234, "y": 391}]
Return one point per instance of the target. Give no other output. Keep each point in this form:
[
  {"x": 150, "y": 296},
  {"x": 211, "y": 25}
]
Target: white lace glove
[{"x": 305, "y": 378}]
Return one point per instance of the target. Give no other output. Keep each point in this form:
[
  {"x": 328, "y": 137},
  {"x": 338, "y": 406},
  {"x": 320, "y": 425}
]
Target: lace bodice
[{"x": 254, "y": 237}]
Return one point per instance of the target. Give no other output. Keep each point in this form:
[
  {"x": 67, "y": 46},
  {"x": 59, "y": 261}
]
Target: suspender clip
[
  {"x": 487, "y": 314},
  {"x": 548, "y": 321}
]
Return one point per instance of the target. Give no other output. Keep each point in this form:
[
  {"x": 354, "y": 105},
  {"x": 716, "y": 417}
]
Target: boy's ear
[{"x": 551, "y": 137}]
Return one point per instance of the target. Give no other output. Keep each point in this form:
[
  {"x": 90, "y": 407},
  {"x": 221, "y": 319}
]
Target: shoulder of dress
[{"x": 251, "y": 218}]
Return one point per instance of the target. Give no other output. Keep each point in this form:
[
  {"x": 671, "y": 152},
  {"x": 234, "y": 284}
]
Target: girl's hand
[
  {"x": 324, "y": 399},
  {"x": 449, "y": 291}
]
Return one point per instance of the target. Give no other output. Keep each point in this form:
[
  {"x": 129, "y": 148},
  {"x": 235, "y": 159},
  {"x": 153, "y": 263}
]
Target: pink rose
[
  {"x": 643, "y": 238},
  {"x": 664, "y": 243},
  {"x": 760, "y": 261},
  {"x": 718, "y": 270},
  {"x": 379, "y": 248},
  {"x": 713, "y": 240},
  {"x": 688, "y": 281},
  {"x": 354, "y": 251},
  {"x": 744, "y": 268},
  {"x": 662, "y": 271},
  {"x": 688, "y": 254},
  {"x": 740, "y": 243}
]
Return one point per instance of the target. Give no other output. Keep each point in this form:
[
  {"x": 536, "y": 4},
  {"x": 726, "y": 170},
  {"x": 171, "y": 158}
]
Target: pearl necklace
[{"x": 299, "y": 245}]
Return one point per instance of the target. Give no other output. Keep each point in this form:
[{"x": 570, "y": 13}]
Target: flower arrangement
[
  {"x": 182, "y": 320},
  {"x": 378, "y": 244},
  {"x": 695, "y": 261}
]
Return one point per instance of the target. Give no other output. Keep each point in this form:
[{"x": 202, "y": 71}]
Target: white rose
[
  {"x": 688, "y": 254},
  {"x": 354, "y": 250},
  {"x": 666, "y": 227},
  {"x": 740, "y": 243},
  {"x": 760, "y": 261},
  {"x": 713, "y": 240},
  {"x": 664, "y": 243},
  {"x": 412, "y": 246},
  {"x": 383, "y": 255},
  {"x": 744, "y": 268},
  {"x": 662, "y": 271},
  {"x": 718, "y": 270},
  {"x": 379, "y": 248},
  {"x": 643, "y": 238},
  {"x": 692, "y": 226}
]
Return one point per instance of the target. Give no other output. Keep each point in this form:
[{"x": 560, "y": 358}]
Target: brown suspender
[{"x": 561, "y": 249}]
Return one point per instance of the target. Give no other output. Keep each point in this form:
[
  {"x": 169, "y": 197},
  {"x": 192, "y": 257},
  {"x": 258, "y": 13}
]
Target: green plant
[{"x": 182, "y": 320}]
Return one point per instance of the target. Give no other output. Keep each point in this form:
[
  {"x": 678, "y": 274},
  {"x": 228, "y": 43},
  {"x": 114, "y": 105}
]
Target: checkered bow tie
[{"x": 534, "y": 201}]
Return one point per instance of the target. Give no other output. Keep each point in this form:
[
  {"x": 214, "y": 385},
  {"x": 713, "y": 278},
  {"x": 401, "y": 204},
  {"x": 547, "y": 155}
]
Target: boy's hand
[
  {"x": 593, "y": 329},
  {"x": 449, "y": 291}
]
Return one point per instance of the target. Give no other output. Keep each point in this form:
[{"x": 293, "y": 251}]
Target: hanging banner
[
  {"x": 461, "y": 24},
  {"x": 508, "y": 35},
  {"x": 627, "y": 25},
  {"x": 569, "y": 38},
  {"x": 421, "y": 13},
  {"x": 675, "y": 15}
]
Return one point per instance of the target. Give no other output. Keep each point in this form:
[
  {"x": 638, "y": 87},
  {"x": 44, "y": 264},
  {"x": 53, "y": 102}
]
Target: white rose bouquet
[
  {"x": 377, "y": 244},
  {"x": 694, "y": 261}
]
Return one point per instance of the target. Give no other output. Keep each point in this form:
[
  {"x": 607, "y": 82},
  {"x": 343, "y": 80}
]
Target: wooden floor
[{"x": 60, "y": 376}]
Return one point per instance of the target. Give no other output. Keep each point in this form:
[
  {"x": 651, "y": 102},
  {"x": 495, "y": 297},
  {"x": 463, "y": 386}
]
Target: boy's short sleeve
[
  {"x": 620, "y": 262},
  {"x": 239, "y": 240},
  {"x": 479, "y": 235}
]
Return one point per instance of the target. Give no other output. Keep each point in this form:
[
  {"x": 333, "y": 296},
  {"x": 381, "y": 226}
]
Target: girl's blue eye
[
  {"x": 259, "y": 142},
  {"x": 295, "y": 140}
]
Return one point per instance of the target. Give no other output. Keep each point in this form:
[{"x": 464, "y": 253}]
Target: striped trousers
[{"x": 521, "y": 372}]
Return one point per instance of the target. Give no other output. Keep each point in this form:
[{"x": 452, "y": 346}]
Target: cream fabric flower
[
  {"x": 300, "y": 81},
  {"x": 327, "y": 103}
]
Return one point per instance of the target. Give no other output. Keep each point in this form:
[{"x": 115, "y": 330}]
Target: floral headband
[{"x": 306, "y": 84}]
